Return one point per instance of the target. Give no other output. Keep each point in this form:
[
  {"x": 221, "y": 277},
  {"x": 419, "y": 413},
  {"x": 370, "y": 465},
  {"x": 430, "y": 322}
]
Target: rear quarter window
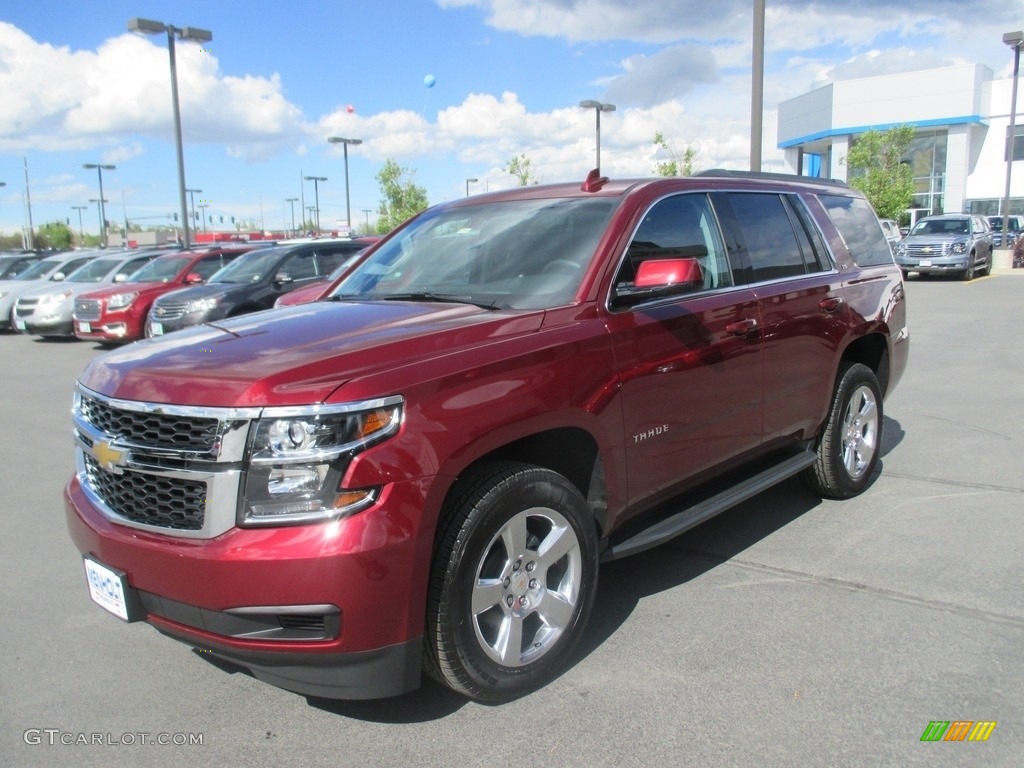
[{"x": 859, "y": 228}]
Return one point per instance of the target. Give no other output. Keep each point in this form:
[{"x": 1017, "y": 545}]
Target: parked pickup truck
[{"x": 423, "y": 472}]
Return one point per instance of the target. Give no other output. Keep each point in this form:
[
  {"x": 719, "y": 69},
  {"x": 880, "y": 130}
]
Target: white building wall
[{"x": 988, "y": 177}]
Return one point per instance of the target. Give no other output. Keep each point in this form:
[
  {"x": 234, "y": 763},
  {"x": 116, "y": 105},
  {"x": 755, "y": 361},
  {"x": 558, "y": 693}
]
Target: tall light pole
[
  {"x": 345, "y": 143},
  {"x": 292, "y": 201},
  {"x": 147, "y": 27},
  {"x": 468, "y": 182},
  {"x": 757, "y": 87},
  {"x": 192, "y": 201},
  {"x": 103, "y": 213},
  {"x": 99, "y": 209},
  {"x": 316, "y": 197},
  {"x": 1014, "y": 40},
  {"x": 598, "y": 108},
  {"x": 79, "y": 208}
]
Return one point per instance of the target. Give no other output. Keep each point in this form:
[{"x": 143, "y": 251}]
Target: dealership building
[{"x": 961, "y": 117}]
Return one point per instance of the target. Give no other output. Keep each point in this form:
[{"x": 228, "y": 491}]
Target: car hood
[
  {"x": 73, "y": 289},
  {"x": 140, "y": 288},
  {"x": 934, "y": 240},
  {"x": 296, "y": 355}
]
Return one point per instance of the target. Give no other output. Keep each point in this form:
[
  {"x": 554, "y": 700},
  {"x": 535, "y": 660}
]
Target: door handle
[
  {"x": 741, "y": 327},
  {"x": 831, "y": 304}
]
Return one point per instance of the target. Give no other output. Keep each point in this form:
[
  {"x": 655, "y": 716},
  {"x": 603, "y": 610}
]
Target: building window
[{"x": 1018, "y": 142}]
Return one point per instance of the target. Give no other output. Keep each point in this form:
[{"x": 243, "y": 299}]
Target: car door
[
  {"x": 689, "y": 365},
  {"x": 800, "y": 302}
]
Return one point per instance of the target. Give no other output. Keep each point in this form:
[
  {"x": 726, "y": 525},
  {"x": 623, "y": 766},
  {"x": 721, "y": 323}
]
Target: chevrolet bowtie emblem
[{"x": 109, "y": 457}]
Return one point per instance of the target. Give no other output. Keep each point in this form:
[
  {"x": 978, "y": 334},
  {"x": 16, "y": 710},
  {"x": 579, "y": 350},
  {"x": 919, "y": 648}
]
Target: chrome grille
[
  {"x": 25, "y": 307},
  {"x": 151, "y": 429},
  {"x": 168, "y": 310},
  {"x": 147, "y": 499},
  {"x": 919, "y": 250},
  {"x": 88, "y": 310}
]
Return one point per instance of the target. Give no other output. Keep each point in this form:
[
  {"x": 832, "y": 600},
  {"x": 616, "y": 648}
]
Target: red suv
[
  {"x": 423, "y": 471},
  {"x": 117, "y": 314}
]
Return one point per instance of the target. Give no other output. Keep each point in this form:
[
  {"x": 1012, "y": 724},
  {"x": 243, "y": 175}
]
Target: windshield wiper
[{"x": 443, "y": 298}]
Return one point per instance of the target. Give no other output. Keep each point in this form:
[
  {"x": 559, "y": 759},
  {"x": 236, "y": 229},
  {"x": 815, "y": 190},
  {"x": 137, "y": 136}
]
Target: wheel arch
[{"x": 871, "y": 350}]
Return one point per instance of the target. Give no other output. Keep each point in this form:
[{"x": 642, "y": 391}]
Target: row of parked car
[{"x": 114, "y": 297}]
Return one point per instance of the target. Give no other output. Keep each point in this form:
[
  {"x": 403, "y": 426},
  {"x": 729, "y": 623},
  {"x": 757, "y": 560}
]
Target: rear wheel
[
  {"x": 849, "y": 444},
  {"x": 513, "y": 582}
]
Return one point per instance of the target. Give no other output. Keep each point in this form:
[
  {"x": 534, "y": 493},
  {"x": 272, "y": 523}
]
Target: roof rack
[{"x": 770, "y": 176}]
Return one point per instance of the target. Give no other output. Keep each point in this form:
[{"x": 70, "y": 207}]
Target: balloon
[
  {"x": 429, "y": 81},
  {"x": 350, "y": 109}
]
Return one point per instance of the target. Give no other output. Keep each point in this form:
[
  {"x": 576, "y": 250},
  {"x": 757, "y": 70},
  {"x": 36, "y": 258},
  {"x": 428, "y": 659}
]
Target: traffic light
[{"x": 175, "y": 216}]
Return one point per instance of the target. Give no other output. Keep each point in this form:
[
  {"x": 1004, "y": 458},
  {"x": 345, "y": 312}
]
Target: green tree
[
  {"x": 401, "y": 198},
  {"x": 680, "y": 163},
  {"x": 54, "y": 235},
  {"x": 876, "y": 168},
  {"x": 521, "y": 169}
]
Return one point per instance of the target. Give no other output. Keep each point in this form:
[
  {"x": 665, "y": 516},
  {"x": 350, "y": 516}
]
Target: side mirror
[
  {"x": 283, "y": 278},
  {"x": 663, "y": 273},
  {"x": 120, "y": 277},
  {"x": 192, "y": 278},
  {"x": 660, "y": 277},
  {"x": 57, "y": 277}
]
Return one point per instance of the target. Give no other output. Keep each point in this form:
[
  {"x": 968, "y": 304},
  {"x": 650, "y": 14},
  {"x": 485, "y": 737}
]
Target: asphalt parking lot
[{"x": 787, "y": 632}]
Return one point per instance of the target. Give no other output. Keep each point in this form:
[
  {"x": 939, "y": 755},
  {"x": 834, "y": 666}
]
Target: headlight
[
  {"x": 959, "y": 248},
  {"x": 201, "y": 305},
  {"x": 121, "y": 300},
  {"x": 901, "y": 249},
  {"x": 298, "y": 457},
  {"x": 54, "y": 298}
]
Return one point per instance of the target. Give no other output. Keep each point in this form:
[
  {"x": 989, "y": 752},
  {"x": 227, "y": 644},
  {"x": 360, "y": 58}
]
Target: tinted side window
[
  {"x": 681, "y": 226},
  {"x": 860, "y": 230},
  {"x": 300, "y": 266},
  {"x": 208, "y": 266},
  {"x": 328, "y": 261},
  {"x": 767, "y": 230}
]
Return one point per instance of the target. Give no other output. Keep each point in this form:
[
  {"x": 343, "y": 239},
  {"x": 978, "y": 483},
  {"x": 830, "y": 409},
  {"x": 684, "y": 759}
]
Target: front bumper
[
  {"x": 364, "y": 575},
  {"x": 44, "y": 325},
  {"x": 122, "y": 330}
]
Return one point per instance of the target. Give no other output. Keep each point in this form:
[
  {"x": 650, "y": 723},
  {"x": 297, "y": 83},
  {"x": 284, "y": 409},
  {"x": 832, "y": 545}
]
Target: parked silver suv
[{"x": 957, "y": 243}]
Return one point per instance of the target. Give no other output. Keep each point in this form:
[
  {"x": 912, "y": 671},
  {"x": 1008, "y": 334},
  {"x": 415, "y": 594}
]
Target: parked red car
[
  {"x": 117, "y": 314},
  {"x": 423, "y": 471}
]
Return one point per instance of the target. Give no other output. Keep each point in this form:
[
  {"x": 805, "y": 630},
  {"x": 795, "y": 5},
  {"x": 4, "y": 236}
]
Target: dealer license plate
[
  {"x": 84, "y": 328},
  {"x": 925, "y": 263},
  {"x": 108, "y": 588},
  {"x": 156, "y": 329}
]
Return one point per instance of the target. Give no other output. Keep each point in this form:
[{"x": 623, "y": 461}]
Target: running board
[{"x": 686, "y": 519}]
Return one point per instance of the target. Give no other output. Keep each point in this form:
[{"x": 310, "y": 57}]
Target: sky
[{"x": 260, "y": 100}]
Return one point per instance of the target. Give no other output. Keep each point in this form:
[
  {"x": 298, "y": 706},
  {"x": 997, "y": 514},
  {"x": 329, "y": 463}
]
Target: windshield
[
  {"x": 942, "y": 227},
  {"x": 38, "y": 270},
  {"x": 93, "y": 272},
  {"x": 161, "y": 270},
  {"x": 519, "y": 254},
  {"x": 249, "y": 268}
]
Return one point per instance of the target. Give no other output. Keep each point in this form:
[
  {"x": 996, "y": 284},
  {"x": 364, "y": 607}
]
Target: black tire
[
  {"x": 850, "y": 441},
  {"x": 968, "y": 274},
  {"x": 482, "y": 595}
]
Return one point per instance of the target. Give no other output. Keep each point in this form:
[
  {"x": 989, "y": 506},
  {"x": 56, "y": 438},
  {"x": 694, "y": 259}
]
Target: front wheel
[
  {"x": 851, "y": 438},
  {"x": 513, "y": 582}
]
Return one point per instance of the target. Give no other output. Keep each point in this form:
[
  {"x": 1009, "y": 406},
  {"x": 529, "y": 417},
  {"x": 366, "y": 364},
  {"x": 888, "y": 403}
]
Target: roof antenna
[{"x": 594, "y": 181}]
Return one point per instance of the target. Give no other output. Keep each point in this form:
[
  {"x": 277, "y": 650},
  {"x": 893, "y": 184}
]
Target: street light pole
[
  {"x": 345, "y": 143},
  {"x": 316, "y": 197},
  {"x": 757, "y": 87},
  {"x": 598, "y": 108},
  {"x": 79, "y": 208},
  {"x": 103, "y": 213},
  {"x": 192, "y": 201},
  {"x": 292, "y": 201},
  {"x": 148, "y": 27},
  {"x": 1014, "y": 40},
  {"x": 468, "y": 182}
]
